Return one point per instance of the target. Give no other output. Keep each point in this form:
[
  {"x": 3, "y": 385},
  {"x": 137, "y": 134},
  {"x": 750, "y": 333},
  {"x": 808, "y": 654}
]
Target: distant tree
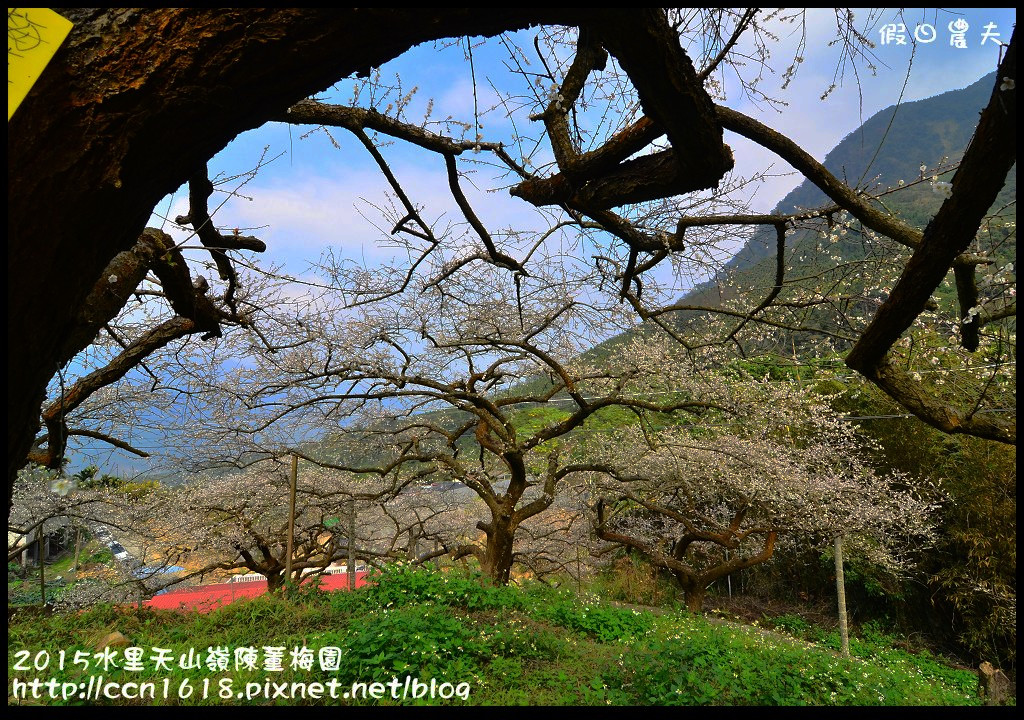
[{"x": 468, "y": 376}]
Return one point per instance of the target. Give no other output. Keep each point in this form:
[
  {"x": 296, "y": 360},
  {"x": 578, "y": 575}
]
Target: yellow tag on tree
[{"x": 33, "y": 36}]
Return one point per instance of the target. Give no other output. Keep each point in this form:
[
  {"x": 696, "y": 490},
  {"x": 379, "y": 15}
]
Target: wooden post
[
  {"x": 291, "y": 519},
  {"x": 78, "y": 547},
  {"x": 352, "y": 544},
  {"x": 42, "y": 575},
  {"x": 728, "y": 578},
  {"x": 844, "y": 632}
]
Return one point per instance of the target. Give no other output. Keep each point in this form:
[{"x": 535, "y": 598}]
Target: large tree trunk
[
  {"x": 275, "y": 580},
  {"x": 695, "y": 598},
  {"x": 497, "y": 560},
  {"x": 136, "y": 100},
  {"x": 692, "y": 587}
]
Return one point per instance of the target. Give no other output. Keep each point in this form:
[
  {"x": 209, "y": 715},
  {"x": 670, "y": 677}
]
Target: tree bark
[
  {"x": 275, "y": 580},
  {"x": 497, "y": 559},
  {"x": 694, "y": 597}
]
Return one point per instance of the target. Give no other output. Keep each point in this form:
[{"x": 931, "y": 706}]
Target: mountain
[
  {"x": 891, "y": 146},
  {"x": 888, "y": 148}
]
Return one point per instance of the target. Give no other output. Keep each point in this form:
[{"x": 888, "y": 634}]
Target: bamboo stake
[
  {"x": 844, "y": 632},
  {"x": 291, "y": 520}
]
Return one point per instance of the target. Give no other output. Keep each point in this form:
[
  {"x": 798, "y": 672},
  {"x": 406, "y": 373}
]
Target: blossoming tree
[{"x": 703, "y": 503}]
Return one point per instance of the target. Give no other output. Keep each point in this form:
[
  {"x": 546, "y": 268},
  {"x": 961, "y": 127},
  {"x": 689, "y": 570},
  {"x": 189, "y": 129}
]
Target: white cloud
[{"x": 301, "y": 214}]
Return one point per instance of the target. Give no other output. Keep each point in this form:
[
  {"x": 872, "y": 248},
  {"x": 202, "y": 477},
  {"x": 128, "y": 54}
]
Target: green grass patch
[{"x": 501, "y": 645}]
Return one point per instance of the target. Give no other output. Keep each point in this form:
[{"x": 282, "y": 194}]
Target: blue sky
[
  {"x": 311, "y": 197},
  {"x": 317, "y": 196}
]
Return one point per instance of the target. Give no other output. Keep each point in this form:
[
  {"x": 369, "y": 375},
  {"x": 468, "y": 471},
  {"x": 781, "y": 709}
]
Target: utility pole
[
  {"x": 291, "y": 519},
  {"x": 352, "y": 543}
]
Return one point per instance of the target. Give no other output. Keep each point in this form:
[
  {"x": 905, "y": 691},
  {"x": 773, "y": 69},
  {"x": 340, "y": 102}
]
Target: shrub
[
  {"x": 793, "y": 624},
  {"x": 606, "y": 624}
]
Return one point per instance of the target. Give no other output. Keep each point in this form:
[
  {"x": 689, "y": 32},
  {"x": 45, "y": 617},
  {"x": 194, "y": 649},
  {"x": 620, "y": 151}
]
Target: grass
[
  {"x": 507, "y": 646},
  {"x": 26, "y": 591}
]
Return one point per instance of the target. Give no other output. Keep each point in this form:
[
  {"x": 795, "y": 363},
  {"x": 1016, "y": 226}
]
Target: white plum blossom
[
  {"x": 969, "y": 318},
  {"x": 62, "y": 485}
]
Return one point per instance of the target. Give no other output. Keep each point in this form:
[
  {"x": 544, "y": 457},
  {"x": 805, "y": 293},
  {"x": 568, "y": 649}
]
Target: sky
[
  {"x": 315, "y": 195},
  {"x": 319, "y": 191}
]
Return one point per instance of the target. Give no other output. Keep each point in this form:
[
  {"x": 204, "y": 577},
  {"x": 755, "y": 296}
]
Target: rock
[{"x": 114, "y": 639}]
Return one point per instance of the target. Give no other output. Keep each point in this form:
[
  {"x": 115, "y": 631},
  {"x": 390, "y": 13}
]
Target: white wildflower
[
  {"x": 1007, "y": 84},
  {"x": 62, "y": 486}
]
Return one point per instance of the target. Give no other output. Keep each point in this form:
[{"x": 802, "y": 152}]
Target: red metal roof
[{"x": 203, "y": 598}]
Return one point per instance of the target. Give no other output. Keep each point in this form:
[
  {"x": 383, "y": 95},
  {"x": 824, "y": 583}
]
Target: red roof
[{"x": 204, "y": 598}]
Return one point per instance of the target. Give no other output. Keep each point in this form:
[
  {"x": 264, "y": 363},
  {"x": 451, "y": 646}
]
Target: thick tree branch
[
  {"x": 55, "y": 414},
  {"x": 982, "y": 173}
]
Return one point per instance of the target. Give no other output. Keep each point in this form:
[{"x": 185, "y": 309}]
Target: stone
[{"x": 114, "y": 639}]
